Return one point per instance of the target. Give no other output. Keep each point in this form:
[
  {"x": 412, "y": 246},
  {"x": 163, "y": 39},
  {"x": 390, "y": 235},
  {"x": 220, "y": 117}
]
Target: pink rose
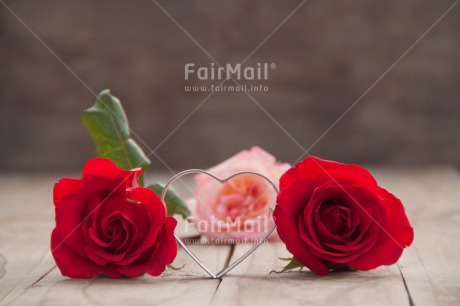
[{"x": 238, "y": 210}]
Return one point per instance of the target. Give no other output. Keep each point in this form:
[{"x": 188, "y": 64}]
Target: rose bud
[{"x": 335, "y": 216}]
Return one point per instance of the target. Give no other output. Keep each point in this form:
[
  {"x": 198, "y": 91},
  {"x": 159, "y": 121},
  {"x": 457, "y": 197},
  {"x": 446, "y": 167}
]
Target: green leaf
[
  {"x": 174, "y": 204},
  {"x": 175, "y": 268},
  {"x": 293, "y": 264},
  {"x": 107, "y": 124},
  {"x": 285, "y": 258}
]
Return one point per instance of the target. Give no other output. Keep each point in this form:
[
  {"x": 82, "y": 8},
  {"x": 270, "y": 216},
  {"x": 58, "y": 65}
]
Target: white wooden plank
[
  {"x": 431, "y": 266},
  {"x": 26, "y": 223},
  {"x": 172, "y": 288},
  {"x": 250, "y": 284}
]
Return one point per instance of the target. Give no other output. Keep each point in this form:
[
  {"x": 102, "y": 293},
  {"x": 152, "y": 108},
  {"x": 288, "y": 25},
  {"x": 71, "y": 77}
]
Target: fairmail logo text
[{"x": 228, "y": 71}]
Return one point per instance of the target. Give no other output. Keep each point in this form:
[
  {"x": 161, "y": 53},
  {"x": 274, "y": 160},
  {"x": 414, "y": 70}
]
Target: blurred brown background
[{"x": 327, "y": 55}]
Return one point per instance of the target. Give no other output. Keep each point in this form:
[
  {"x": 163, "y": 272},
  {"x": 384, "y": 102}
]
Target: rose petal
[
  {"x": 290, "y": 203},
  {"x": 313, "y": 167},
  {"x": 72, "y": 265},
  {"x": 143, "y": 233},
  {"x": 354, "y": 175},
  {"x": 65, "y": 187},
  {"x": 163, "y": 253},
  {"x": 156, "y": 212},
  {"x": 309, "y": 168},
  {"x": 396, "y": 234},
  {"x": 152, "y": 204},
  {"x": 359, "y": 202},
  {"x": 106, "y": 168},
  {"x": 68, "y": 221}
]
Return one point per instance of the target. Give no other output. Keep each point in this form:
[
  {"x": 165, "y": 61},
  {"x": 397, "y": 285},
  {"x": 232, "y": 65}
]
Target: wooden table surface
[{"x": 428, "y": 273}]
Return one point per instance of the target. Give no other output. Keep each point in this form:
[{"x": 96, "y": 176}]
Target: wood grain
[
  {"x": 250, "y": 283},
  {"x": 172, "y": 288},
  {"x": 26, "y": 222},
  {"x": 431, "y": 266},
  {"x": 427, "y": 274}
]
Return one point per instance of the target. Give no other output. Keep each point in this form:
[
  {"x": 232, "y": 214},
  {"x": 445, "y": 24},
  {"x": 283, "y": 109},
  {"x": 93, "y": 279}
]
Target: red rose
[
  {"x": 331, "y": 216},
  {"x": 106, "y": 224}
]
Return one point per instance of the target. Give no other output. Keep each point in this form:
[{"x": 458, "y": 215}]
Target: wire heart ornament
[{"x": 261, "y": 240}]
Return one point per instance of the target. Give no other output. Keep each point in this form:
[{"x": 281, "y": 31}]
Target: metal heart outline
[{"x": 230, "y": 267}]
